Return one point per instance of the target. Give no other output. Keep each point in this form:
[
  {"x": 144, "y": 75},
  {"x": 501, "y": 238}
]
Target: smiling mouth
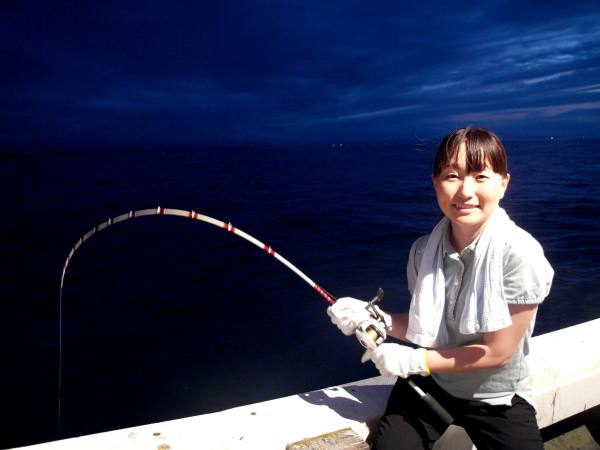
[{"x": 464, "y": 206}]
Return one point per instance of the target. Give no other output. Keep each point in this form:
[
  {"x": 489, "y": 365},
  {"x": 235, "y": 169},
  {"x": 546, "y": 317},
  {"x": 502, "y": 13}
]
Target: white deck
[{"x": 565, "y": 372}]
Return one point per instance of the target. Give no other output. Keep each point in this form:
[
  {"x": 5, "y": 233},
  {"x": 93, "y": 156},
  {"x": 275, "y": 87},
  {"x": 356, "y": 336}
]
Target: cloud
[
  {"x": 546, "y": 45},
  {"x": 525, "y": 113},
  {"x": 588, "y": 89},
  {"x": 377, "y": 113},
  {"x": 438, "y": 86},
  {"x": 554, "y": 76},
  {"x": 276, "y": 68}
]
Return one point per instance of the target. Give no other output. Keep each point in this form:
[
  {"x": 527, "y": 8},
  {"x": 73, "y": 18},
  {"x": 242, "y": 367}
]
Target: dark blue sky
[{"x": 83, "y": 75}]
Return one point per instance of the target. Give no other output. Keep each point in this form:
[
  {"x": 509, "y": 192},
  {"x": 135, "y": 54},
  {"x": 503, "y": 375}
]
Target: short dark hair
[{"x": 483, "y": 147}]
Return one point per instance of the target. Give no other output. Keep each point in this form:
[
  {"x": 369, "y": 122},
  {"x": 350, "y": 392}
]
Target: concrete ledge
[
  {"x": 565, "y": 373},
  {"x": 266, "y": 425}
]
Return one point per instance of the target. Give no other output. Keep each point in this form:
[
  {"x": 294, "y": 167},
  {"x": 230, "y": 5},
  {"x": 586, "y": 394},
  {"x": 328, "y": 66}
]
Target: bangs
[
  {"x": 482, "y": 148},
  {"x": 476, "y": 158}
]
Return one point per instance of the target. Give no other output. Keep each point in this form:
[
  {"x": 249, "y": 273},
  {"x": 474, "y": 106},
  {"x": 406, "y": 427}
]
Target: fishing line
[{"x": 371, "y": 336}]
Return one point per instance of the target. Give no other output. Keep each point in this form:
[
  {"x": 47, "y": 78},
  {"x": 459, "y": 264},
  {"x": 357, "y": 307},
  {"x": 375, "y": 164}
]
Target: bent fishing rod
[{"x": 370, "y": 333}]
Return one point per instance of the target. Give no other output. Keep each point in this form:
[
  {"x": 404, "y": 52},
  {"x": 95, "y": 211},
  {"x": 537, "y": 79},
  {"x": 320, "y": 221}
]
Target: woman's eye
[
  {"x": 451, "y": 176},
  {"x": 482, "y": 177}
]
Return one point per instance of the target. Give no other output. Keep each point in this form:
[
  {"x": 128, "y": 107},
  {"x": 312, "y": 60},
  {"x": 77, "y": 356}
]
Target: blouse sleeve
[
  {"x": 527, "y": 273},
  {"x": 414, "y": 260}
]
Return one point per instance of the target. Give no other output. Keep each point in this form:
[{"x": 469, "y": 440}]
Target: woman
[{"x": 476, "y": 281}]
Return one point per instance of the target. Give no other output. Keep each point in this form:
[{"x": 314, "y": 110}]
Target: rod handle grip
[{"x": 438, "y": 409}]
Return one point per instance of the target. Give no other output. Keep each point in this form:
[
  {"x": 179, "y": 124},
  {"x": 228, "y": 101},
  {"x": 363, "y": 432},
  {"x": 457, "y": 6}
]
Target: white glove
[
  {"x": 347, "y": 312},
  {"x": 398, "y": 360}
]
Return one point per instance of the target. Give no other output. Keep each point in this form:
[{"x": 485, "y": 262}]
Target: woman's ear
[{"x": 505, "y": 182}]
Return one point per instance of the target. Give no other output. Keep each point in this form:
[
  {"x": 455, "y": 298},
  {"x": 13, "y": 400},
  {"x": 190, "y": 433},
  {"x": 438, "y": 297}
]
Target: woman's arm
[
  {"x": 399, "y": 325},
  {"x": 495, "y": 351}
]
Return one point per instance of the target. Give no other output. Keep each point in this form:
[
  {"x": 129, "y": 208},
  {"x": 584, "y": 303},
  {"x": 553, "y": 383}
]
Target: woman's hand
[
  {"x": 398, "y": 360},
  {"x": 347, "y": 313}
]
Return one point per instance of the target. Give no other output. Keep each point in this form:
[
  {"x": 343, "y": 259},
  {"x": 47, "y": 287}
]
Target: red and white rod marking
[{"x": 195, "y": 216}]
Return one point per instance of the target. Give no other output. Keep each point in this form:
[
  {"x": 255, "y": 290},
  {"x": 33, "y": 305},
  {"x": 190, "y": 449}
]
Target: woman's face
[{"x": 468, "y": 199}]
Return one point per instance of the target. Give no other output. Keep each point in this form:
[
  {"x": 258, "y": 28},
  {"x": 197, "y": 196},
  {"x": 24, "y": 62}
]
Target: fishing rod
[
  {"x": 194, "y": 216},
  {"x": 370, "y": 333}
]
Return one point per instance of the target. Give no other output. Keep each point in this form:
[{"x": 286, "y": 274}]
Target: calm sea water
[{"x": 166, "y": 318}]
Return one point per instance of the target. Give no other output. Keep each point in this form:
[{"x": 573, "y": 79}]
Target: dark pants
[{"x": 408, "y": 423}]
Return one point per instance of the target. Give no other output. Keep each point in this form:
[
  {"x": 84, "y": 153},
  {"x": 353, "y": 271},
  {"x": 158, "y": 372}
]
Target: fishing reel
[{"x": 371, "y": 332}]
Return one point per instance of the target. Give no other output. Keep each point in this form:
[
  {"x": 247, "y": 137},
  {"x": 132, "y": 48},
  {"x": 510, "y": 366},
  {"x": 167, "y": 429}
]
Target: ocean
[{"x": 165, "y": 317}]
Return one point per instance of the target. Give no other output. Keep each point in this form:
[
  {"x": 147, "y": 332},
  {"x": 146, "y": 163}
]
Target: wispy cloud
[
  {"x": 554, "y": 76},
  {"x": 588, "y": 89},
  {"x": 438, "y": 86},
  {"x": 525, "y": 113},
  {"x": 544, "y": 47},
  {"x": 376, "y": 113}
]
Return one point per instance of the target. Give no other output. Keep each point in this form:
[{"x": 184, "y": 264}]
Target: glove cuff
[{"x": 418, "y": 362}]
